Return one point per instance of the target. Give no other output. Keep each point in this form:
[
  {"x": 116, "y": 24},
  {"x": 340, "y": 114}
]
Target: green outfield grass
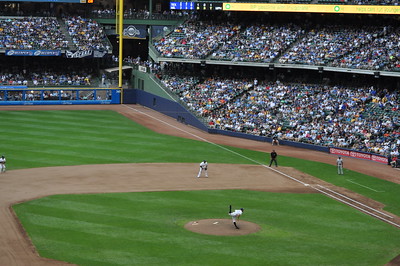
[
  {"x": 56, "y": 138},
  {"x": 75, "y": 227},
  {"x": 146, "y": 228}
]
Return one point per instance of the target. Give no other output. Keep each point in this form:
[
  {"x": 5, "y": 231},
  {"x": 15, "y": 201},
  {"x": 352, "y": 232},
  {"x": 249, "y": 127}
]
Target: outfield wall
[
  {"x": 165, "y": 106},
  {"x": 268, "y": 139}
]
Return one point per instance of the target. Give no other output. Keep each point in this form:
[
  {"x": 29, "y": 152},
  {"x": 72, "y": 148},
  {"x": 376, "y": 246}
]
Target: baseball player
[
  {"x": 235, "y": 216},
  {"x": 203, "y": 168},
  {"x": 339, "y": 163},
  {"x": 2, "y": 164}
]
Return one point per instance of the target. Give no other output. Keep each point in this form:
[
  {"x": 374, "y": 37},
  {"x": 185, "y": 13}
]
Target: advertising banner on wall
[
  {"x": 13, "y": 87},
  {"x": 359, "y": 155},
  {"x": 134, "y": 32},
  {"x": 33, "y": 52},
  {"x": 83, "y": 54}
]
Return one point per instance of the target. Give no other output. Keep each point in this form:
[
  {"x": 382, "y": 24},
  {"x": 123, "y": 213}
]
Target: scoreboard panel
[
  {"x": 181, "y": 6},
  {"x": 195, "y": 6}
]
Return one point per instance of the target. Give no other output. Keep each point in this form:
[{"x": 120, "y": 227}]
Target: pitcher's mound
[{"x": 222, "y": 227}]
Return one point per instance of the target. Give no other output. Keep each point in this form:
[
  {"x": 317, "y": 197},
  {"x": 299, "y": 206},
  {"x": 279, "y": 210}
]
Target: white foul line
[
  {"x": 295, "y": 179},
  {"x": 299, "y": 181},
  {"x": 363, "y": 185},
  {"x": 355, "y": 201},
  {"x": 354, "y": 206}
]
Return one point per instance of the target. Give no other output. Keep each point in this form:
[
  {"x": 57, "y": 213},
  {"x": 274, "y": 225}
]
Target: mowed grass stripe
[
  {"x": 112, "y": 256},
  {"x": 52, "y": 117},
  {"x": 75, "y": 122},
  {"x": 294, "y": 230},
  {"x": 122, "y": 136},
  {"x": 105, "y": 229},
  {"x": 101, "y": 125}
]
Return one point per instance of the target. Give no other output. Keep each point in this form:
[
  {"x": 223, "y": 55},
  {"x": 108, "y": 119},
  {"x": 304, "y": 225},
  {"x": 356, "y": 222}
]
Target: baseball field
[{"x": 116, "y": 185}]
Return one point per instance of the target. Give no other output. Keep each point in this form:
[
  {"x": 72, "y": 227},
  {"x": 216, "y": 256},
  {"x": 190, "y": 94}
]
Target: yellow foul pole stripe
[{"x": 121, "y": 38}]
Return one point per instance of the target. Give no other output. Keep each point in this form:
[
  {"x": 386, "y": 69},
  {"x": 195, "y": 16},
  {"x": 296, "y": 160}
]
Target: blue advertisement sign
[
  {"x": 13, "y": 87},
  {"x": 33, "y": 52}
]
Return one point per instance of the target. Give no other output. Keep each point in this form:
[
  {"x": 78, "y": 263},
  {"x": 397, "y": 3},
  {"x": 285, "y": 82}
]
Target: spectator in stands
[
  {"x": 31, "y": 33},
  {"x": 87, "y": 34},
  {"x": 258, "y": 43},
  {"x": 194, "y": 39}
]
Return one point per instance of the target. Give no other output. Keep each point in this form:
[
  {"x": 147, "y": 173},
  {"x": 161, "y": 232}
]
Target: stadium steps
[
  {"x": 293, "y": 44},
  {"x": 64, "y": 30}
]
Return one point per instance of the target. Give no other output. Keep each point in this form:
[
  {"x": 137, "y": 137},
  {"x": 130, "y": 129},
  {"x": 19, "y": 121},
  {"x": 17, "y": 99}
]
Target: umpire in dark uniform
[{"x": 274, "y": 155}]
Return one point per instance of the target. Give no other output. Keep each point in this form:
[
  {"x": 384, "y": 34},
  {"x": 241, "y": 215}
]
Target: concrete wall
[{"x": 163, "y": 105}]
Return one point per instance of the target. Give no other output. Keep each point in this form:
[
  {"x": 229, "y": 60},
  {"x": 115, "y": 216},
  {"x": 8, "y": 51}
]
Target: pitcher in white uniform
[{"x": 236, "y": 215}]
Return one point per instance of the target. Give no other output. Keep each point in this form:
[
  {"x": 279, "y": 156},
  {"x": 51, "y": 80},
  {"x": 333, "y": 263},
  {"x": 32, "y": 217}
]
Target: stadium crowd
[
  {"x": 381, "y": 53},
  {"x": 87, "y": 34},
  {"x": 364, "y": 47},
  {"x": 363, "y": 119},
  {"x": 25, "y": 33},
  {"x": 319, "y": 46},
  {"x": 259, "y": 43},
  {"x": 31, "y": 33},
  {"x": 65, "y": 76},
  {"x": 195, "y": 39}
]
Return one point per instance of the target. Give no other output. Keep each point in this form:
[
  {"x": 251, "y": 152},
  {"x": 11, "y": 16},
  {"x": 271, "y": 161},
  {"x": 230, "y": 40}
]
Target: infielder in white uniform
[
  {"x": 339, "y": 163},
  {"x": 236, "y": 215},
  {"x": 203, "y": 168},
  {"x": 2, "y": 164}
]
